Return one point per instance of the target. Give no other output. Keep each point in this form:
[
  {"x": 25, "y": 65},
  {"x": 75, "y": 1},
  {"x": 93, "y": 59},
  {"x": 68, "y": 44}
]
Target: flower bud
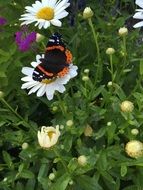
[
  {"x": 39, "y": 37},
  {"x": 109, "y": 123},
  {"x": 69, "y": 123},
  {"x": 86, "y": 71},
  {"x": 25, "y": 145},
  {"x": 88, "y": 131},
  {"x": 54, "y": 108},
  {"x": 110, "y": 83},
  {"x": 61, "y": 127},
  {"x": 127, "y": 106},
  {"x": 134, "y": 148},
  {"x": 110, "y": 51},
  {"x": 1, "y": 94},
  {"x": 85, "y": 78},
  {"x": 87, "y": 13},
  {"x": 82, "y": 160},
  {"x": 135, "y": 132},
  {"x": 123, "y": 31},
  {"x": 71, "y": 182},
  {"x": 51, "y": 176}
]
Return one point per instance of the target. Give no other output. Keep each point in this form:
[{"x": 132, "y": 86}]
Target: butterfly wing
[{"x": 53, "y": 63}]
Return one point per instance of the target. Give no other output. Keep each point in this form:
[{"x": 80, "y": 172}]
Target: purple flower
[
  {"x": 24, "y": 42},
  {"x": 3, "y": 21}
]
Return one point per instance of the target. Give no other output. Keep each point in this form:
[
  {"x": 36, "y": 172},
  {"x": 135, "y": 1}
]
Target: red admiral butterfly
[{"x": 55, "y": 62}]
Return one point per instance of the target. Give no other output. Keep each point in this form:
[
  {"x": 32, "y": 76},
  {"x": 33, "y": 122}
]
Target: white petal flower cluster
[
  {"x": 45, "y": 12},
  {"x": 139, "y": 14}
]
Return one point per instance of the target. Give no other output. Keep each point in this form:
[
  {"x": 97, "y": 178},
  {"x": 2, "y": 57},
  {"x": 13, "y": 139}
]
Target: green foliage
[{"x": 94, "y": 103}]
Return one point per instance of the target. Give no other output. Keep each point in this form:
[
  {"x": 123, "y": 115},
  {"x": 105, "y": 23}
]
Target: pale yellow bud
[
  {"x": 87, "y": 13},
  {"x": 135, "y": 132},
  {"x": 134, "y": 148},
  {"x": 85, "y": 78},
  {"x": 82, "y": 160},
  {"x": 88, "y": 131},
  {"x": 110, "y": 83},
  {"x": 110, "y": 51},
  {"x": 51, "y": 176},
  {"x": 86, "y": 71},
  {"x": 25, "y": 145},
  {"x": 127, "y": 106},
  {"x": 54, "y": 108},
  {"x": 109, "y": 123},
  {"x": 39, "y": 37},
  {"x": 69, "y": 123},
  {"x": 1, "y": 94},
  {"x": 123, "y": 31},
  {"x": 71, "y": 182}
]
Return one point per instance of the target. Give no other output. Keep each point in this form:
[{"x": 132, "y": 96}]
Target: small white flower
[
  {"x": 48, "y": 136},
  {"x": 47, "y": 86},
  {"x": 139, "y": 14},
  {"x": 45, "y": 13}
]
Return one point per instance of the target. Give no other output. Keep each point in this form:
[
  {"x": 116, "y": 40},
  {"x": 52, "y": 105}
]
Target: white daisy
[
  {"x": 45, "y": 13},
  {"x": 139, "y": 14},
  {"x": 46, "y": 86}
]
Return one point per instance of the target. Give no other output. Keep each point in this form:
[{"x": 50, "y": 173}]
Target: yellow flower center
[
  {"x": 50, "y": 134},
  {"x": 46, "y": 13},
  {"x": 46, "y": 81}
]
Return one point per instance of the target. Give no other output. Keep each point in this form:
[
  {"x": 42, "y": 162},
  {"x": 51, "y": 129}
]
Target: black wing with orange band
[{"x": 55, "y": 62}]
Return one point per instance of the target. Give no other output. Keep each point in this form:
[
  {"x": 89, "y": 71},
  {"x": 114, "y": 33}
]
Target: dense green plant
[{"x": 91, "y": 103}]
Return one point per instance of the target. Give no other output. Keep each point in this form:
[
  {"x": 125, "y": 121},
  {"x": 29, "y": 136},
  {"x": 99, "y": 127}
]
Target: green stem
[
  {"x": 62, "y": 161},
  {"x": 15, "y": 113},
  {"x": 95, "y": 35},
  {"x": 11, "y": 109},
  {"x": 112, "y": 70},
  {"x": 62, "y": 107}
]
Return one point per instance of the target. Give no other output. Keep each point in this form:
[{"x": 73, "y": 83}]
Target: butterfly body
[{"x": 55, "y": 62}]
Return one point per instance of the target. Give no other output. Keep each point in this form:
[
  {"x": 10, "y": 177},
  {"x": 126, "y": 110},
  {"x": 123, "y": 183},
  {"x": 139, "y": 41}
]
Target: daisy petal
[
  {"x": 139, "y": 24},
  {"x": 27, "y": 71},
  {"x": 56, "y": 22}
]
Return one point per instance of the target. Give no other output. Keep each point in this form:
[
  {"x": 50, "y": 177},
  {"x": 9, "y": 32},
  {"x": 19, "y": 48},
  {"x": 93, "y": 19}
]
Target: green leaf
[
  {"x": 26, "y": 174},
  {"x": 8, "y": 160},
  {"x": 61, "y": 183},
  {"x": 88, "y": 183},
  {"x": 30, "y": 184},
  {"x": 124, "y": 170},
  {"x": 68, "y": 142}
]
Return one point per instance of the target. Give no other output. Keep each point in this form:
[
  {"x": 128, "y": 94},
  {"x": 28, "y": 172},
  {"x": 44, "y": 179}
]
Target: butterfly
[{"x": 56, "y": 61}]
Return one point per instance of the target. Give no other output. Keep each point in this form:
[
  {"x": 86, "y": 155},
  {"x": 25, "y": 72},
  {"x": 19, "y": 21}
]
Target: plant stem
[
  {"x": 62, "y": 161},
  {"x": 62, "y": 107},
  {"x": 95, "y": 35},
  {"x": 15, "y": 113},
  {"x": 112, "y": 70}
]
